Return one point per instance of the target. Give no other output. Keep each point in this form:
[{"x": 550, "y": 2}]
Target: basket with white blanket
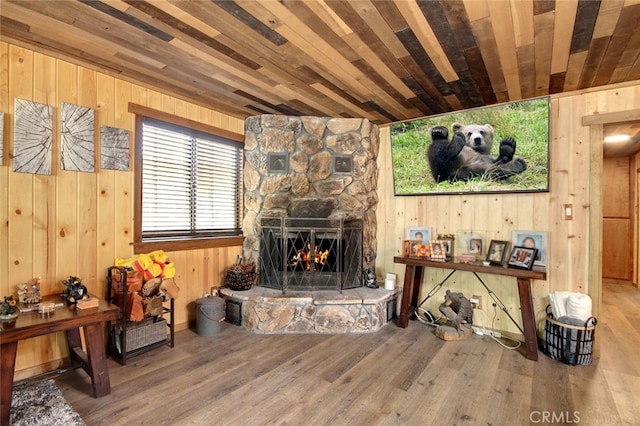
[{"x": 569, "y": 341}]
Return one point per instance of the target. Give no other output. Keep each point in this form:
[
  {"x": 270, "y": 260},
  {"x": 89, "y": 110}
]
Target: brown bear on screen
[{"x": 468, "y": 155}]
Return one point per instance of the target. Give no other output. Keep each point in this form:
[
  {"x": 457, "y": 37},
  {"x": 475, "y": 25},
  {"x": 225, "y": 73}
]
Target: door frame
[{"x": 596, "y": 124}]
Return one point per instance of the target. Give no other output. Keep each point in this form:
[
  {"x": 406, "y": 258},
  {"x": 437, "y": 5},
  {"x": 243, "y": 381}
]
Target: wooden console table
[
  {"x": 413, "y": 279},
  {"x": 32, "y": 324}
]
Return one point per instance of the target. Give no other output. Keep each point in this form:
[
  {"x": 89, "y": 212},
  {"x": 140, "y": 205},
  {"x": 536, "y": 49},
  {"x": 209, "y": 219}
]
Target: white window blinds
[{"x": 191, "y": 182}]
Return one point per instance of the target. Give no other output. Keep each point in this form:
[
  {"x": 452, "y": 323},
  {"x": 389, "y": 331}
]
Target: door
[{"x": 617, "y": 221}]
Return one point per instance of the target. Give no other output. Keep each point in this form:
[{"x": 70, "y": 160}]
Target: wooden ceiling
[{"x": 382, "y": 60}]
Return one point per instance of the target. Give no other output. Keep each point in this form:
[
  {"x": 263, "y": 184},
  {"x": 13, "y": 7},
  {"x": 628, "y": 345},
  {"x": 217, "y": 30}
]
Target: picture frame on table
[
  {"x": 475, "y": 246},
  {"x": 438, "y": 250},
  {"x": 448, "y": 241},
  {"x": 406, "y": 248},
  {"x": 422, "y": 233},
  {"x": 522, "y": 257},
  {"x": 532, "y": 239},
  {"x": 497, "y": 252}
]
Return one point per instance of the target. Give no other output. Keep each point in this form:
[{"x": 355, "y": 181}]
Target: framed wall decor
[
  {"x": 438, "y": 250},
  {"x": 406, "y": 248},
  {"x": 522, "y": 257},
  {"x": 32, "y": 137},
  {"x": 497, "y": 252},
  {"x": 532, "y": 239},
  {"x": 278, "y": 162},
  {"x": 525, "y": 121},
  {"x": 343, "y": 164},
  {"x": 448, "y": 241},
  {"x": 421, "y": 233}
]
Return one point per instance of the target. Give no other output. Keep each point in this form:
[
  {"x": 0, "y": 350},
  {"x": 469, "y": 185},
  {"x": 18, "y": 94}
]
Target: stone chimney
[{"x": 310, "y": 167}]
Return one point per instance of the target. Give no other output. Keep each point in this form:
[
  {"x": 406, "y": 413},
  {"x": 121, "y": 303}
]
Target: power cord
[{"x": 491, "y": 333}]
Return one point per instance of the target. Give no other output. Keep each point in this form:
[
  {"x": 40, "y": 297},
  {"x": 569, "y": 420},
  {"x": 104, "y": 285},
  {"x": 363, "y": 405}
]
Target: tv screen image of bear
[{"x": 499, "y": 148}]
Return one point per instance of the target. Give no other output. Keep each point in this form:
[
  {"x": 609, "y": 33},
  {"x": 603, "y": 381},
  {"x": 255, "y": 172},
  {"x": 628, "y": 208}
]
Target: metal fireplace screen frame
[{"x": 310, "y": 253}]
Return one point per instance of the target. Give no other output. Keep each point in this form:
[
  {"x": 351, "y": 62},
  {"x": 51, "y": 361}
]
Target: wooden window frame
[{"x": 140, "y": 246}]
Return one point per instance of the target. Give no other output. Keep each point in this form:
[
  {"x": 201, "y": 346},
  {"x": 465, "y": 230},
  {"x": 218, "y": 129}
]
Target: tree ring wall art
[
  {"x": 32, "y": 137},
  {"x": 78, "y": 151}
]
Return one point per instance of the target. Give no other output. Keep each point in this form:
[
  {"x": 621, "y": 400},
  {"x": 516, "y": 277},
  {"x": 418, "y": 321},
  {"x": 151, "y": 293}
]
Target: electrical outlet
[
  {"x": 476, "y": 302},
  {"x": 482, "y": 332}
]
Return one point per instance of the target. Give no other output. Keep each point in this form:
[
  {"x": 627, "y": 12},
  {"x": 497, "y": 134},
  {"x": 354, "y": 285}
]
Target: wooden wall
[
  {"x": 72, "y": 223},
  {"x": 497, "y": 215}
]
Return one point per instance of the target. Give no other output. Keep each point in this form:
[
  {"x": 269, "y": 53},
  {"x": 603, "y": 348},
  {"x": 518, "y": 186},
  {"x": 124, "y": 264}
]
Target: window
[{"x": 190, "y": 182}]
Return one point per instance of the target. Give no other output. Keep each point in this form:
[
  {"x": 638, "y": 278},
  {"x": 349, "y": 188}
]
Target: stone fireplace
[
  {"x": 310, "y": 227},
  {"x": 309, "y": 168}
]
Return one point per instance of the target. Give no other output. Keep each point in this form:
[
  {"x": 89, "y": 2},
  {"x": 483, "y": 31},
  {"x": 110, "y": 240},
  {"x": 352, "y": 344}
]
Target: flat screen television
[{"x": 495, "y": 171}]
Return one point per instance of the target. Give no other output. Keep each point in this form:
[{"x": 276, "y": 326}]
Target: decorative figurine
[
  {"x": 370, "y": 278},
  {"x": 27, "y": 296},
  {"x": 74, "y": 290},
  {"x": 9, "y": 309}
]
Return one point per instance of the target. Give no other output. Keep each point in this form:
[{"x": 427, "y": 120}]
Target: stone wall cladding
[
  {"x": 310, "y": 188},
  {"x": 359, "y": 310}
]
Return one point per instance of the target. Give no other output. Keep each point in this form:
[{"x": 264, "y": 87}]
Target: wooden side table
[
  {"x": 32, "y": 324},
  {"x": 413, "y": 280}
]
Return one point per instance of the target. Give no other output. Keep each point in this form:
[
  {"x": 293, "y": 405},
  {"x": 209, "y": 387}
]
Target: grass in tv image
[{"x": 501, "y": 148}]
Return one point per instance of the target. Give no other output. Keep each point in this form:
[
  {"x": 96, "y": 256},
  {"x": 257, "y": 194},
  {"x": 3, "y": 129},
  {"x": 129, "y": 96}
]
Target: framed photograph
[
  {"x": 448, "y": 241},
  {"x": 423, "y": 250},
  {"x": 421, "y": 233},
  {"x": 438, "y": 250},
  {"x": 406, "y": 248},
  {"x": 497, "y": 252},
  {"x": 532, "y": 239},
  {"x": 484, "y": 130},
  {"x": 475, "y": 246},
  {"x": 522, "y": 257}
]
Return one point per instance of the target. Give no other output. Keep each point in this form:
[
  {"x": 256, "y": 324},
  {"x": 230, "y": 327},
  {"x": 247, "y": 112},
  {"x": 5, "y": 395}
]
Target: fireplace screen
[{"x": 310, "y": 254}]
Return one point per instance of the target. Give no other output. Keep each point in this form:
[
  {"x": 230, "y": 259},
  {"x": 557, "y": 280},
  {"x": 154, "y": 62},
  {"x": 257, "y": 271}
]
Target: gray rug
[{"x": 42, "y": 404}]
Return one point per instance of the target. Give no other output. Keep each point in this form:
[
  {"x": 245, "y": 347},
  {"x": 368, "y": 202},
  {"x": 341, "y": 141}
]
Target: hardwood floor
[{"x": 392, "y": 377}]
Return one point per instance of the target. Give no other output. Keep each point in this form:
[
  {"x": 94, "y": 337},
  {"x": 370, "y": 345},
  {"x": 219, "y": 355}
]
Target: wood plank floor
[{"x": 392, "y": 377}]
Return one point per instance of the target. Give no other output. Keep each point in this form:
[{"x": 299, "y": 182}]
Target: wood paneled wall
[
  {"x": 495, "y": 216},
  {"x": 72, "y": 223}
]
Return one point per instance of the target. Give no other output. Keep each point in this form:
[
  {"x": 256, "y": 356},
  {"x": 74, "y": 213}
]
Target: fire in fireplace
[{"x": 310, "y": 254}]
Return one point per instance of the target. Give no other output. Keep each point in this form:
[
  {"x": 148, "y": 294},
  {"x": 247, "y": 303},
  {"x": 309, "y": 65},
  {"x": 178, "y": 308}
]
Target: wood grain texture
[{"x": 395, "y": 376}]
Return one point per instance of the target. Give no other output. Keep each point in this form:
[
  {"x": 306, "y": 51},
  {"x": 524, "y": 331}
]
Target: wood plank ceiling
[{"x": 382, "y": 60}]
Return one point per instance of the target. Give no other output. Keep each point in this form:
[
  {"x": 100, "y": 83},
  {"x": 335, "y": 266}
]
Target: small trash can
[{"x": 209, "y": 314}]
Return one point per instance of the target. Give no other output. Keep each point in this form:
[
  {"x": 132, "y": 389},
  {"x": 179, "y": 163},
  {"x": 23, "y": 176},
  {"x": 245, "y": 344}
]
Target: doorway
[{"x": 596, "y": 124}]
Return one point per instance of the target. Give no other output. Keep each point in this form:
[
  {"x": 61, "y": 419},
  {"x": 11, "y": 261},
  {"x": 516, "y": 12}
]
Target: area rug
[{"x": 42, "y": 404}]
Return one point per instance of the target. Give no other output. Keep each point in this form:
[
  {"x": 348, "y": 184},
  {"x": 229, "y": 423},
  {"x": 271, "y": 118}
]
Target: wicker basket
[
  {"x": 568, "y": 343},
  {"x": 238, "y": 281},
  {"x": 141, "y": 334}
]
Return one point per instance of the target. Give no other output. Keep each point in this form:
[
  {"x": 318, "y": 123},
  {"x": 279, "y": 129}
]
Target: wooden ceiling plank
[
  {"x": 476, "y": 9},
  {"x": 306, "y": 41},
  {"x": 422, "y": 30},
  {"x": 574, "y": 70},
  {"x": 621, "y": 36},
  {"x": 527, "y": 64},
  {"x": 608, "y": 16},
  {"x": 70, "y": 35},
  {"x": 522, "y": 15},
  {"x": 356, "y": 110},
  {"x": 544, "y": 24},
  {"x": 502, "y": 26},
  {"x": 489, "y": 50},
  {"x": 326, "y": 14},
  {"x": 565, "y": 18}
]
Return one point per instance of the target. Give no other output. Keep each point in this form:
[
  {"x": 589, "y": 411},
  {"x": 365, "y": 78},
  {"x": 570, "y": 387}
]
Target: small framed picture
[
  {"x": 497, "y": 252},
  {"x": 532, "y": 239},
  {"x": 438, "y": 250},
  {"x": 475, "y": 246},
  {"x": 343, "y": 164},
  {"x": 522, "y": 257},
  {"x": 406, "y": 248},
  {"x": 421, "y": 233},
  {"x": 423, "y": 250},
  {"x": 447, "y": 240}
]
